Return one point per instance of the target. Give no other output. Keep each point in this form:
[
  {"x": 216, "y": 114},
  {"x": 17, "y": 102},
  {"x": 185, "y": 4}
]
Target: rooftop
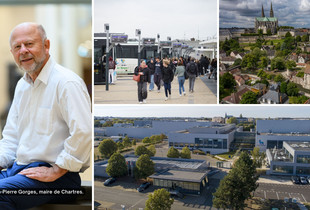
[
  {"x": 265, "y": 19},
  {"x": 300, "y": 146},
  {"x": 180, "y": 175},
  {"x": 174, "y": 162}
]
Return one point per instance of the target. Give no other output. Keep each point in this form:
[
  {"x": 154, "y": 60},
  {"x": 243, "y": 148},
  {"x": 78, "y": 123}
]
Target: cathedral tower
[
  {"x": 271, "y": 11},
  {"x": 263, "y": 13}
]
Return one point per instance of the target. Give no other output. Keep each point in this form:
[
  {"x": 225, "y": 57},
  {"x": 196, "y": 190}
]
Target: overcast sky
[
  {"x": 201, "y": 111},
  {"x": 241, "y": 13},
  {"x": 174, "y": 18}
]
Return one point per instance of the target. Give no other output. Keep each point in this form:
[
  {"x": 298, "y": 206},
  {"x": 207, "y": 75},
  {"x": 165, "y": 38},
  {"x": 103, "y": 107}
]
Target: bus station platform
[{"x": 125, "y": 91}]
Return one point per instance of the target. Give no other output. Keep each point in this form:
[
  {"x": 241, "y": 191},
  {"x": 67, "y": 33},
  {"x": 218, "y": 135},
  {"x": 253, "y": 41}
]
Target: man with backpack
[
  {"x": 111, "y": 70},
  {"x": 192, "y": 71}
]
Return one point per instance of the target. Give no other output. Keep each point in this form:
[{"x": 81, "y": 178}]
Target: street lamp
[
  {"x": 138, "y": 33},
  {"x": 170, "y": 48},
  {"x": 107, "y": 29}
]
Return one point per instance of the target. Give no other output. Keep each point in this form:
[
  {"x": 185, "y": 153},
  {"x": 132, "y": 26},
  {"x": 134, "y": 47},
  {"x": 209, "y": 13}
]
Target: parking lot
[{"x": 281, "y": 191}]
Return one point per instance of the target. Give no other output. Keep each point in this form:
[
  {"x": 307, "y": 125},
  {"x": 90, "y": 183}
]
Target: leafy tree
[
  {"x": 173, "y": 153},
  {"x": 279, "y": 78},
  {"x": 120, "y": 145},
  {"x": 185, "y": 153},
  {"x": 126, "y": 142},
  {"x": 134, "y": 142},
  {"x": 163, "y": 136},
  {"x": 271, "y": 42},
  {"x": 152, "y": 150},
  {"x": 107, "y": 147},
  {"x": 237, "y": 186},
  {"x": 116, "y": 166},
  {"x": 144, "y": 167},
  {"x": 237, "y": 62},
  {"x": 264, "y": 81},
  {"x": 278, "y": 63},
  {"x": 97, "y": 123},
  {"x": 232, "y": 120},
  {"x": 227, "y": 80},
  {"x": 283, "y": 87},
  {"x": 160, "y": 199},
  {"x": 258, "y": 158},
  {"x": 292, "y": 89},
  {"x": 146, "y": 140},
  {"x": 305, "y": 38},
  {"x": 300, "y": 74},
  {"x": 290, "y": 64},
  {"x": 260, "y": 32},
  {"x": 298, "y": 51},
  {"x": 142, "y": 150},
  {"x": 298, "y": 99},
  {"x": 298, "y": 38},
  {"x": 269, "y": 32},
  {"x": 249, "y": 98},
  {"x": 263, "y": 63},
  {"x": 262, "y": 74},
  {"x": 108, "y": 124},
  {"x": 288, "y": 34}
]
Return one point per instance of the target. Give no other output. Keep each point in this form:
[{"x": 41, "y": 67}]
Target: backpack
[
  {"x": 192, "y": 68},
  {"x": 111, "y": 65}
]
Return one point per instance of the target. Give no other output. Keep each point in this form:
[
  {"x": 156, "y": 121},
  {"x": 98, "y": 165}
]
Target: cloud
[{"x": 241, "y": 13}]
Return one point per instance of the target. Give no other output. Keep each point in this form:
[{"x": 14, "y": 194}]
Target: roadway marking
[
  {"x": 136, "y": 203},
  {"x": 290, "y": 195},
  {"x": 265, "y": 194},
  {"x": 277, "y": 195},
  {"x": 304, "y": 198}
]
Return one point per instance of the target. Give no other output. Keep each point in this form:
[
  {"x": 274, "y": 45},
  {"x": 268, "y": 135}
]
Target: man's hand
[{"x": 44, "y": 174}]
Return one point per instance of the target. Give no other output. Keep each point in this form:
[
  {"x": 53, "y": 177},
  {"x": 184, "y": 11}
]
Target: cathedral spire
[
  {"x": 271, "y": 11},
  {"x": 263, "y": 13}
]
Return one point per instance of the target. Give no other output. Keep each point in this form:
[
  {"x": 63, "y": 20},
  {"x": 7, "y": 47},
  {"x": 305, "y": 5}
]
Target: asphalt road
[
  {"x": 280, "y": 191},
  {"x": 118, "y": 194}
]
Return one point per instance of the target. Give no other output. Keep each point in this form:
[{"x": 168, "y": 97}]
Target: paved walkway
[{"x": 125, "y": 92}]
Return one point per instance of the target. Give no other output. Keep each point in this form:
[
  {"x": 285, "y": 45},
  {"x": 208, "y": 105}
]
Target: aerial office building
[
  {"x": 213, "y": 139},
  {"x": 271, "y": 134},
  {"x": 293, "y": 159}
]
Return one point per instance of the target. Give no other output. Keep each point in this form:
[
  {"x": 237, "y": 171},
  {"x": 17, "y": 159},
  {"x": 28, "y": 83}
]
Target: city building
[
  {"x": 147, "y": 128},
  {"x": 266, "y": 23},
  {"x": 272, "y": 133},
  {"x": 292, "y": 159},
  {"x": 188, "y": 176},
  {"x": 213, "y": 139}
]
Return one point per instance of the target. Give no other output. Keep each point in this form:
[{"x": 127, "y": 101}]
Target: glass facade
[
  {"x": 203, "y": 143},
  {"x": 303, "y": 170},
  {"x": 274, "y": 143},
  {"x": 283, "y": 169},
  {"x": 303, "y": 159},
  {"x": 187, "y": 186}
]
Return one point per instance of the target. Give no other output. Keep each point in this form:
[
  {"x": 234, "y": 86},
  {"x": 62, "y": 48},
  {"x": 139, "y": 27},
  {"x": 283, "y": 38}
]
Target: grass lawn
[{"x": 227, "y": 154}]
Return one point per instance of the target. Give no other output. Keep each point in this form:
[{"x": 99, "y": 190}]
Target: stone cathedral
[{"x": 264, "y": 23}]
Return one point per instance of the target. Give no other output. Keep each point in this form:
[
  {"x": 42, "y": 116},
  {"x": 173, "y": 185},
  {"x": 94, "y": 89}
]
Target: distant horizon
[{"x": 207, "y": 111}]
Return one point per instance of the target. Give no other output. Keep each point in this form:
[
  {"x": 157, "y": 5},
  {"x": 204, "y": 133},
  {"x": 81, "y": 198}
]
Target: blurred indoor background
[{"x": 68, "y": 25}]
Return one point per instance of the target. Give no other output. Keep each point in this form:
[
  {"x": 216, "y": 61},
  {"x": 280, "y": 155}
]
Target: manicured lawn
[{"x": 227, "y": 154}]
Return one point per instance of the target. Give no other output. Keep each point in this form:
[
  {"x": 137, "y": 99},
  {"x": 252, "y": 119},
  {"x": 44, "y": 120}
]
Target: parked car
[
  {"x": 143, "y": 186},
  {"x": 308, "y": 178},
  {"x": 303, "y": 180},
  {"x": 109, "y": 181},
  {"x": 295, "y": 180}
]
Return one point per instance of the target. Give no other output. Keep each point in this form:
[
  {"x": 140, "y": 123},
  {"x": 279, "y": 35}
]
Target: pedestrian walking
[
  {"x": 213, "y": 68},
  {"x": 151, "y": 66},
  {"x": 179, "y": 72},
  {"x": 167, "y": 76},
  {"x": 157, "y": 74},
  {"x": 192, "y": 71},
  {"x": 144, "y": 72},
  {"x": 111, "y": 70}
]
